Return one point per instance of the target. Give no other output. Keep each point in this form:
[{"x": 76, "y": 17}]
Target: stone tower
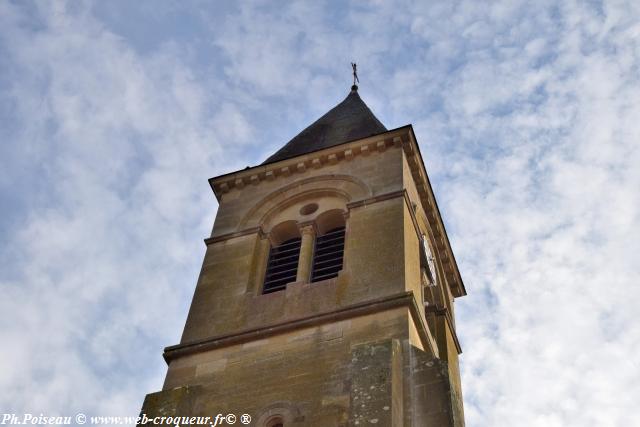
[{"x": 327, "y": 288}]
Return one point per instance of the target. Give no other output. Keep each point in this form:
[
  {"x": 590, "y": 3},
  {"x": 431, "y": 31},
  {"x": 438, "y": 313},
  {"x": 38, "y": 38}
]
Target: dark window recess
[
  {"x": 327, "y": 258},
  {"x": 283, "y": 266}
]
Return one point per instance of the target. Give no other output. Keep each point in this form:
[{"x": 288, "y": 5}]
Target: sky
[{"x": 113, "y": 115}]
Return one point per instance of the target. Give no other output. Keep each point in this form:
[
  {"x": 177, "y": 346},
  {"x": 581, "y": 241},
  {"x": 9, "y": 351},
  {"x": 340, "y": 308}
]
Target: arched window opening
[
  {"x": 329, "y": 251},
  {"x": 329, "y": 246},
  {"x": 283, "y": 265},
  {"x": 330, "y": 220},
  {"x": 275, "y": 422}
]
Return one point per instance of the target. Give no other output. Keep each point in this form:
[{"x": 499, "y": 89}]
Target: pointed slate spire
[{"x": 347, "y": 121}]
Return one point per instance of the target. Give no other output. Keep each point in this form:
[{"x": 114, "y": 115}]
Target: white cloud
[
  {"x": 528, "y": 120},
  {"x": 543, "y": 208},
  {"x": 123, "y": 146}
]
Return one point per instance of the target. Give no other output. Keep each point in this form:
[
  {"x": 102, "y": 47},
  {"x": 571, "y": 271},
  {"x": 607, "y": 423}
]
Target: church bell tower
[{"x": 326, "y": 295}]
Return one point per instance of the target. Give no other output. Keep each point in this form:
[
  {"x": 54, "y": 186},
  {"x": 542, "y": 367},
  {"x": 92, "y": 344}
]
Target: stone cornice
[
  {"x": 313, "y": 160},
  {"x": 430, "y": 206},
  {"x": 376, "y": 199},
  {"x": 403, "y": 299}
]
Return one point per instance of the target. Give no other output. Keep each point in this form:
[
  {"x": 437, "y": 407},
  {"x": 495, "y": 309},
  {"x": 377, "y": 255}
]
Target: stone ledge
[
  {"x": 327, "y": 156},
  {"x": 403, "y": 299}
]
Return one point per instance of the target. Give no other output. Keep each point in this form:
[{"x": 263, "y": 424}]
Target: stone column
[{"x": 308, "y": 233}]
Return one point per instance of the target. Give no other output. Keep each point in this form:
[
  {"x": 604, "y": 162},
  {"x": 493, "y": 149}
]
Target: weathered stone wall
[
  {"x": 333, "y": 375},
  {"x": 228, "y": 295},
  {"x": 316, "y": 374},
  {"x": 295, "y": 352},
  {"x": 376, "y": 385},
  {"x": 431, "y": 401}
]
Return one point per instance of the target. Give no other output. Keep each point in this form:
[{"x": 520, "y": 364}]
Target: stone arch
[
  {"x": 344, "y": 187},
  {"x": 291, "y": 208},
  {"x": 329, "y": 220},
  {"x": 283, "y": 411},
  {"x": 275, "y": 421},
  {"x": 284, "y": 231}
]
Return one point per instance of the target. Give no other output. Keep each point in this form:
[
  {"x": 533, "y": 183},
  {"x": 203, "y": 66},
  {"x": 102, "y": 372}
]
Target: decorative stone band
[
  {"x": 304, "y": 226},
  {"x": 403, "y": 299},
  {"x": 224, "y": 237},
  {"x": 327, "y": 156}
]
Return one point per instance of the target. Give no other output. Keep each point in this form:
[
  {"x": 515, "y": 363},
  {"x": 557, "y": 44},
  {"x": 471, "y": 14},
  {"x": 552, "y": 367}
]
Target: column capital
[{"x": 308, "y": 227}]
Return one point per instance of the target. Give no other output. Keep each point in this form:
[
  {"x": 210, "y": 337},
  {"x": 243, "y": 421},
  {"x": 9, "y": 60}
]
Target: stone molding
[
  {"x": 403, "y": 299},
  {"x": 253, "y": 230},
  {"x": 328, "y": 156},
  {"x": 302, "y": 189},
  {"x": 430, "y": 206},
  {"x": 352, "y": 205}
]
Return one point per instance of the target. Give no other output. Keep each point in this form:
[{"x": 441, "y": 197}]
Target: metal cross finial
[{"x": 355, "y": 73}]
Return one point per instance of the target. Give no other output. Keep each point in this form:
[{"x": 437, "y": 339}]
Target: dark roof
[{"x": 347, "y": 121}]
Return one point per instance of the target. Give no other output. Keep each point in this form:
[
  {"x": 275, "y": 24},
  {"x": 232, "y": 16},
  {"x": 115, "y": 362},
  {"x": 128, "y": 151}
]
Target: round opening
[
  {"x": 308, "y": 209},
  {"x": 275, "y": 422}
]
